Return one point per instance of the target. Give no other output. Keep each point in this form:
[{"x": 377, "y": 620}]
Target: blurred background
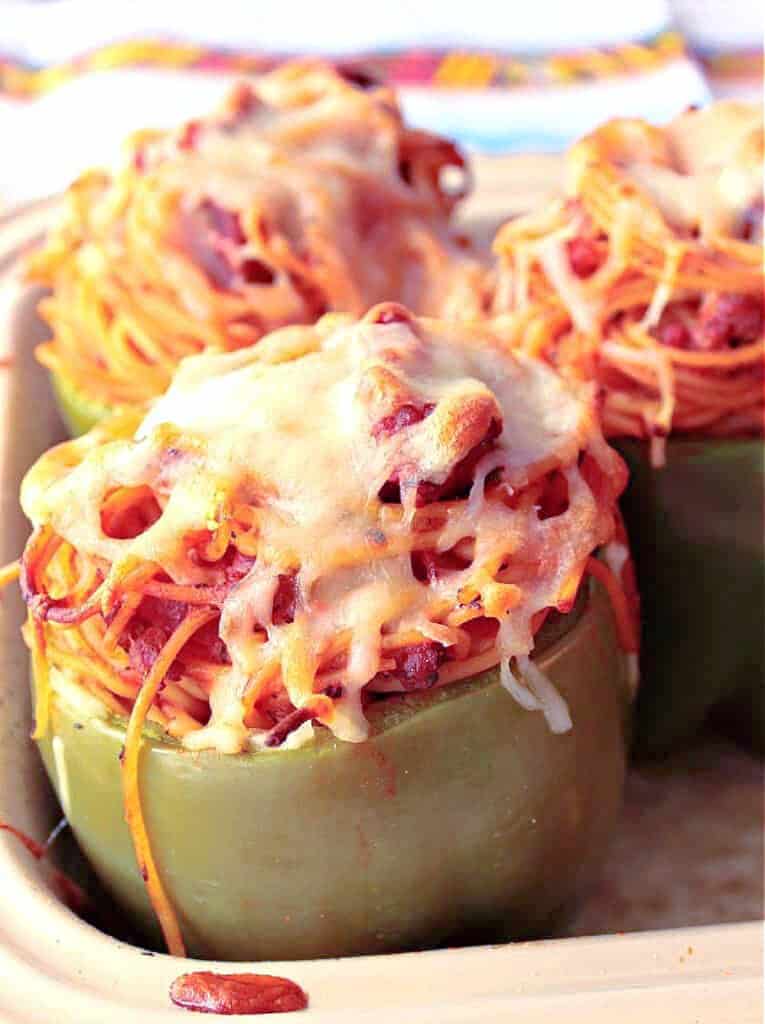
[{"x": 77, "y": 75}]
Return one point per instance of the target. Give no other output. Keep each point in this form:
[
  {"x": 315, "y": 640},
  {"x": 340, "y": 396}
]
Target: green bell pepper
[
  {"x": 461, "y": 818},
  {"x": 696, "y": 530},
  {"x": 78, "y": 412}
]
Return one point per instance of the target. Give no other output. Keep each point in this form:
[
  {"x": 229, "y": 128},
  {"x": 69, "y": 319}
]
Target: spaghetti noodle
[
  {"x": 306, "y": 193},
  {"x": 648, "y": 277},
  {"x": 341, "y": 512}
]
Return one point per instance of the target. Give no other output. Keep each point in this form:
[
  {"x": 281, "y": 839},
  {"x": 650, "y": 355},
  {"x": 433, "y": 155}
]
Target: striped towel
[{"x": 76, "y": 76}]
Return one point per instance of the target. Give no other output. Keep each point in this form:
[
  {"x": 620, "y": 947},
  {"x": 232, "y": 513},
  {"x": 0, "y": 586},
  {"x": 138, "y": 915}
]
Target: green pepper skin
[
  {"x": 696, "y": 531},
  {"x": 462, "y": 818},
  {"x": 78, "y": 412}
]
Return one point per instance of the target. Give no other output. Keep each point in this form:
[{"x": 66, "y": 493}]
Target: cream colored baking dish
[{"x": 54, "y": 968}]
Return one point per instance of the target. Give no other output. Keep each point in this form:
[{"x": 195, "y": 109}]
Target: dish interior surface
[{"x": 697, "y": 818}]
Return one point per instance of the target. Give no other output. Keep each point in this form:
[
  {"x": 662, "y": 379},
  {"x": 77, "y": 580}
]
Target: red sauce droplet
[{"x": 225, "y": 994}]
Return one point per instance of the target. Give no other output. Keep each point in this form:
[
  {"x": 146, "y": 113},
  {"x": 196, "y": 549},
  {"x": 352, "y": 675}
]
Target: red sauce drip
[{"x": 226, "y": 994}]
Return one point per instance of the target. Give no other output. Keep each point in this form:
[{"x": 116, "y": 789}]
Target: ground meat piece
[
  {"x": 213, "y": 234},
  {"x": 674, "y": 334},
  {"x": 729, "y": 320},
  {"x": 359, "y": 77},
  {"x": 285, "y": 600},
  {"x": 154, "y": 621},
  {"x": 157, "y": 611},
  {"x": 144, "y": 646},
  {"x": 417, "y": 665},
  {"x": 279, "y": 733},
  {"x": 189, "y": 135},
  {"x": 457, "y": 483},
  {"x": 236, "y": 565},
  {"x": 275, "y": 705},
  {"x": 428, "y": 566},
  {"x": 424, "y": 566},
  {"x": 750, "y": 227},
  {"x": 254, "y": 271},
  {"x": 207, "y": 645},
  {"x": 222, "y": 222},
  {"x": 584, "y": 256}
]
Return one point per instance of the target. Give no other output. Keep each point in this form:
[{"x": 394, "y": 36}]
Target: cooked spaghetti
[
  {"x": 648, "y": 277},
  {"x": 342, "y": 512},
  {"x": 306, "y": 193}
]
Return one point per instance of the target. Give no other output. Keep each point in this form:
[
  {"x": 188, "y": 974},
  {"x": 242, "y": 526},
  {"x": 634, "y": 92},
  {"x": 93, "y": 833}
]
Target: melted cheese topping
[
  {"x": 703, "y": 170},
  {"x": 305, "y": 194},
  {"x": 641, "y": 280},
  {"x": 318, "y": 163},
  {"x": 287, "y": 428}
]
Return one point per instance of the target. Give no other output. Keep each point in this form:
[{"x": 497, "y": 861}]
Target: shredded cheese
[{"x": 288, "y": 429}]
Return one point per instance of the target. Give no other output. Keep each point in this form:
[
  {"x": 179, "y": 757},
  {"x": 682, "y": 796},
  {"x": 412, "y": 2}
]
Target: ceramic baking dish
[{"x": 690, "y": 849}]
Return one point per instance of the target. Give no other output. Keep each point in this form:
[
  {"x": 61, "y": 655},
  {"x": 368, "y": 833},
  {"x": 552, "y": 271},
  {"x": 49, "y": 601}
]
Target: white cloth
[{"x": 82, "y": 122}]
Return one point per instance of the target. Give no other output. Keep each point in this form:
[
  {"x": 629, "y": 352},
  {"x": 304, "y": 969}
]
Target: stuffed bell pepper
[
  {"x": 329, "y": 651},
  {"x": 306, "y": 193},
  {"x": 647, "y": 278}
]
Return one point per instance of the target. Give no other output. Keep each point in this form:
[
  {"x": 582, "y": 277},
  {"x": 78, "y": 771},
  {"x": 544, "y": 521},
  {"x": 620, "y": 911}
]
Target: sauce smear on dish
[
  {"x": 208, "y": 992},
  {"x": 70, "y": 892}
]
